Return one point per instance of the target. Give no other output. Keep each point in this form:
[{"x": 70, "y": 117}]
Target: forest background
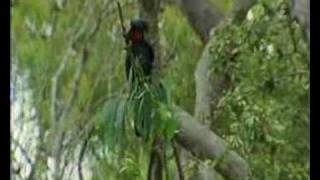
[{"x": 236, "y": 74}]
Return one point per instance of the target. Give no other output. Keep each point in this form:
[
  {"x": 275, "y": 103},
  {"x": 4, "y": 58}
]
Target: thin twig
[
  {"x": 55, "y": 11},
  {"x": 178, "y": 161},
  {"x": 99, "y": 21},
  {"x": 67, "y": 154},
  {"x": 76, "y": 80},
  {"x": 15, "y": 171},
  {"x": 84, "y": 59},
  {"x": 82, "y": 152},
  {"x": 96, "y": 81},
  {"x": 24, "y": 152},
  {"x": 76, "y": 83},
  {"x": 54, "y": 90},
  {"x": 27, "y": 157},
  {"x": 68, "y": 108},
  {"x": 57, "y": 156}
]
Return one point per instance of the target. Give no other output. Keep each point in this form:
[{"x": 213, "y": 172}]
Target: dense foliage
[{"x": 264, "y": 114}]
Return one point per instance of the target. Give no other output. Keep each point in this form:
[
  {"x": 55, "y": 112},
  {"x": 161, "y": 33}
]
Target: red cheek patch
[{"x": 136, "y": 36}]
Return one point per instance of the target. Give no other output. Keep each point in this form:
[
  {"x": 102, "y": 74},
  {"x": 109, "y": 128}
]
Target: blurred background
[{"x": 67, "y": 72}]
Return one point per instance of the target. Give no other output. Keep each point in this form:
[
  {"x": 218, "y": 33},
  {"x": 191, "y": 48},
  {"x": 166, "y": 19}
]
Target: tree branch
[
  {"x": 202, "y": 16},
  {"x": 156, "y": 164},
  {"x": 54, "y": 89},
  {"x": 27, "y": 157},
  {"x": 178, "y": 161},
  {"x": 76, "y": 82},
  {"x": 205, "y": 144},
  {"x": 82, "y": 152}
]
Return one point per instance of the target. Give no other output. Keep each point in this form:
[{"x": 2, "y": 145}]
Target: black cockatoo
[
  {"x": 139, "y": 66},
  {"x": 140, "y": 55}
]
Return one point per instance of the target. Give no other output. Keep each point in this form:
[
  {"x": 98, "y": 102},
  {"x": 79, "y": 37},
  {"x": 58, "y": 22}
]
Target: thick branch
[
  {"x": 208, "y": 89},
  {"x": 205, "y": 144},
  {"x": 202, "y": 15},
  {"x": 198, "y": 139}
]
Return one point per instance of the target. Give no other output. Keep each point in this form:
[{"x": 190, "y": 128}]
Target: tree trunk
[{"x": 150, "y": 12}]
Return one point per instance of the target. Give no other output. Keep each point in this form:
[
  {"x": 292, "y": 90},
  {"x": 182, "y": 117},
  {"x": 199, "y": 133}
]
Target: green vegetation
[{"x": 263, "y": 115}]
